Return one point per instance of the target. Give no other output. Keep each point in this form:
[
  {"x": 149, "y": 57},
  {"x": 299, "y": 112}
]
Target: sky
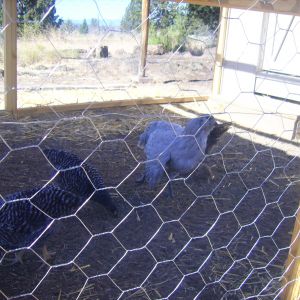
[{"x": 87, "y": 9}]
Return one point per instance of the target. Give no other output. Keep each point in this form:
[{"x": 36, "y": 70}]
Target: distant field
[{"x": 66, "y": 68}]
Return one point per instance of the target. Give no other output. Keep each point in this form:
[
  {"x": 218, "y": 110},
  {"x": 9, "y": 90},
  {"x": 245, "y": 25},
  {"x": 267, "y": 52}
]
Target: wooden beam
[
  {"x": 10, "y": 54},
  {"x": 291, "y": 7},
  {"x": 22, "y": 112},
  {"x": 292, "y": 275},
  {"x": 145, "y": 34},
  {"x": 218, "y": 68}
]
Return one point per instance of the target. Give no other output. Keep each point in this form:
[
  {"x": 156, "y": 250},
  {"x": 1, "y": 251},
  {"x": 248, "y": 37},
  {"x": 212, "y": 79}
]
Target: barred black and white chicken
[
  {"x": 79, "y": 178},
  {"x": 26, "y": 214}
]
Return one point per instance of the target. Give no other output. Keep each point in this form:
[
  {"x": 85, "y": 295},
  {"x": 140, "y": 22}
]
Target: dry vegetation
[
  {"x": 60, "y": 68},
  {"x": 49, "y": 48}
]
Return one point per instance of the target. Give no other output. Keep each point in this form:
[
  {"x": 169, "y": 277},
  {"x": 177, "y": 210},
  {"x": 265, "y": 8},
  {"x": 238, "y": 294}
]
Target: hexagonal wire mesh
[{"x": 225, "y": 232}]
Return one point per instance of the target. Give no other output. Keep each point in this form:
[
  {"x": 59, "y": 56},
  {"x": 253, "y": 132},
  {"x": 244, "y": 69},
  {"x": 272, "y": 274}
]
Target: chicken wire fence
[{"x": 76, "y": 224}]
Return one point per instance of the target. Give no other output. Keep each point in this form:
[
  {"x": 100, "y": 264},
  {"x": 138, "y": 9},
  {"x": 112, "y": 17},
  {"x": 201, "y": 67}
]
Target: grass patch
[
  {"x": 48, "y": 48},
  {"x": 36, "y": 53}
]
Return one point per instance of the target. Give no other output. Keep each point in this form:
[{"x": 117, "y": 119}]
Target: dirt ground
[{"x": 221, "y": 238}]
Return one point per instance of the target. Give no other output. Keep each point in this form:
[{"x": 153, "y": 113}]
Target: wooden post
[
  {"x": 10, "y": 54},
  {"x": 292, "y": 276},
  {"x": 145, "y": 34},
  {"x": 220, "y": 52}
]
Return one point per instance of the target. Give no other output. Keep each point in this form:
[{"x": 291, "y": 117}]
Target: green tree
[
  {"x": 94, "y": 23},
  {"x": 132, "y": 16},
  {"x": 84, "y": 28},
  {"x": 164, "y": 14},
  {"x": 173, "y": 37},
  {"x": 68, "y": 26},
  {"x": 207, "y": 15},
  {"x": 41, "y": 12}
]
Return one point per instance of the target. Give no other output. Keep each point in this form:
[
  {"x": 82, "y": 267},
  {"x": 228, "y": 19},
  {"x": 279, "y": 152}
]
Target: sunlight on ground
[{"x": 272, "y": 129}]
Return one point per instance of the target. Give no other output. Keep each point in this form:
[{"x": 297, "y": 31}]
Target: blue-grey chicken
[
  {"x": 21, "y": 222},
  {"x": 176, "y": 149},
  {"x": 79, "y": 178},
  {"x": 160, "y": 125}
]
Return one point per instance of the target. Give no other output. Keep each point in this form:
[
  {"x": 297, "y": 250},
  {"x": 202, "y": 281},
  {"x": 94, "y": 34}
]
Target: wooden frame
[
  {"x": 218, "y": 69},
  {"x": 105, "y": 104},
  {"x": 145, "y": 34},
  {"x": 263, "y": 40},
  {"x": 10, "y": 54},
  {"x": 291, "y": 280}
]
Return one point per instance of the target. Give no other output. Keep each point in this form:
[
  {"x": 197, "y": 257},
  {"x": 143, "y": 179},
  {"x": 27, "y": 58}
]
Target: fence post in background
[
  {"x": 145, "y": 34},
  {"x": 220, "y": 52},
  {"x": 10, "y": 54},
  {"x": 292, "y": 275}
]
